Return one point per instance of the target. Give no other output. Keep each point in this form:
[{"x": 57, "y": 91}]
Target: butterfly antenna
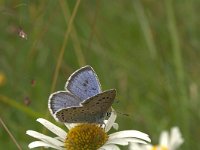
[{"x": 124, "y": 114}]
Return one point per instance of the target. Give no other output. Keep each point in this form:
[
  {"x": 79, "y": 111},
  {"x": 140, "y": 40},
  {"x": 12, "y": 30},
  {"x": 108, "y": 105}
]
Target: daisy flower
[
  {"x": 86, "y": 136},
  {"x": 167, "y": 141}
]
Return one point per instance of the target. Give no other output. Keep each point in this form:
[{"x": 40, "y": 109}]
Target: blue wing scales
[{"x": 84, "y": 83}]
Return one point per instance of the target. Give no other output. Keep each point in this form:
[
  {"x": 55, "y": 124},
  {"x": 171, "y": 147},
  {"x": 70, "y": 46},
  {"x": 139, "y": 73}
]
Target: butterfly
[{"x": 83, "y": 101}]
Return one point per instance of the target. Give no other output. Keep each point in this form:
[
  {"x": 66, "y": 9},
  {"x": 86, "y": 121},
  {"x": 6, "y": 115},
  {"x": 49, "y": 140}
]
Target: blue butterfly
[{"x": 83, "y": 101}]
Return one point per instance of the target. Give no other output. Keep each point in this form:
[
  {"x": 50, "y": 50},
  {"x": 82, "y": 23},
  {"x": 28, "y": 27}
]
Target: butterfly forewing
[
  {"x": 61, "y": 100},
  {"x": 93, "y": 110},
  {"x": 83, "y": 83}
]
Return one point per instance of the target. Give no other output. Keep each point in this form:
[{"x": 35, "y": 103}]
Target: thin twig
[
  {"x": 61, "y": 54},
  {"x": 74, "y": 36},
  {"x": 10, "y": 134}
]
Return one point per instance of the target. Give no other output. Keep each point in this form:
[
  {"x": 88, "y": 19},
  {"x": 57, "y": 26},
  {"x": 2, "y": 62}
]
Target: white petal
[
  {"x": 59, "y": 138},
  {"x": 175, "y": 138},
  {"x": 116, "y": 126},
  {"x": 70, "y": 125},
  {"x": 43, "y": 144},
  {"x": 147, "y": 147},
  {"x": 109, "y": 147},
  {"x": 125, "y": 141},
  {"x": 164, "y": 139},
  {"x": 130, "y": 133},
  {"x": 53, "y": 128},
  {"x": 136, "y": 146},
  {"x": 111, "y": 120},
  {"x": 44, "y": 138}
]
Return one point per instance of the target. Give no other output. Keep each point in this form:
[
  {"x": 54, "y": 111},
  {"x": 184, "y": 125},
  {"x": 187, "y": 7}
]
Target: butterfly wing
[
  {"x": 93, "y": 110},
  {"x": 83, "y": 83},
  {"x": 61, "y": 100}
]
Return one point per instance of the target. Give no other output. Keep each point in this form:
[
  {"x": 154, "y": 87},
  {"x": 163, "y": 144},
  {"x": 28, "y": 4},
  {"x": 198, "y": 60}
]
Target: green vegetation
[{"x": 148, "y": 50}]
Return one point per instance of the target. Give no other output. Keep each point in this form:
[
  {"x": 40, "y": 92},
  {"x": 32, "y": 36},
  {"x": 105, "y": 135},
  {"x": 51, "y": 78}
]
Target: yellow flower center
[
  {"x": 85, "y": 137},
  {"x": 159, "y": 148}
]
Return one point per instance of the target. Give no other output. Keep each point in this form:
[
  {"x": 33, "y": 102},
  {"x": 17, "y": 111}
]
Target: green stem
[
  {"x": 25, "y": 109},
  {"x": 179, "y": 69},
  {"x": 145, "y": 28}
]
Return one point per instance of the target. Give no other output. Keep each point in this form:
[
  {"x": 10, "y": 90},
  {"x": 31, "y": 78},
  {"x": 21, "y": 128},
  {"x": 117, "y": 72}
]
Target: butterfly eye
[{"x": 108, "y": 114}]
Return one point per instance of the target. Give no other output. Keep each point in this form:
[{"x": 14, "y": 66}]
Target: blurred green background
[{"x": 148, "y": 50}]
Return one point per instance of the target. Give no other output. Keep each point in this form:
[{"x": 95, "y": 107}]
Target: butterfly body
[{"x": 83, "y": 101}]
